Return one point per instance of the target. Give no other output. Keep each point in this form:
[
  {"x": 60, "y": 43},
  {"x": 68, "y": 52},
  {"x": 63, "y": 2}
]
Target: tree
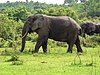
[
  {"x": 83, "y": 1},
  {"x": 92, "y": 7},
  {"x": 26, "y": 1},
  {"x": 69, "y": 2}
]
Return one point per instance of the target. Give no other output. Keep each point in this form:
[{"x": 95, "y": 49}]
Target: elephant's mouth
[{"x": 30, "y": 31}]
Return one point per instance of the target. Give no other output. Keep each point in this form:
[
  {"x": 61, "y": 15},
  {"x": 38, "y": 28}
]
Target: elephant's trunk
[{"x": 24, "y": 34}]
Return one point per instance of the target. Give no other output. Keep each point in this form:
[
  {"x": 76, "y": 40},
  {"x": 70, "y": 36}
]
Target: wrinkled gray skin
[
  {"x": 90, "y": 28},
  {"x": 62, "y": 28}
]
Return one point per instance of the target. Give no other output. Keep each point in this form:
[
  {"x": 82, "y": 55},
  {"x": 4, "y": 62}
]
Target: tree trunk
[{"x": 26, "y": 1}]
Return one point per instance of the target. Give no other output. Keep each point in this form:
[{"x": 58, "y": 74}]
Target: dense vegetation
[
  {"x": 13, "y": 15},
  {"x": 12, "y": 18}
]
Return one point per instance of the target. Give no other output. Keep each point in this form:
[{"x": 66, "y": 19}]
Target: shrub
[
  {"x": 90, "y": 41},
  {"x": 2, "y": 42},
  {"x": 15, "y": 60}
]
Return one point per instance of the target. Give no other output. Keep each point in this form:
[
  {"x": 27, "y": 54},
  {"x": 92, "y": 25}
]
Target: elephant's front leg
[
  {"x": 44, "y": 46},
  {"x": 37, "y": 46},
  {"x": 42, "y": 41}
]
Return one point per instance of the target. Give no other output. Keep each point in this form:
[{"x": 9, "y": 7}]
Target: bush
[
  {"x": 15, "y": 60},
  {"x": 9, "y": 29},
  {"x": 96, "y": 38},
  {"x": 90, "y": 41},
  {"x": 2, "y": 42}
]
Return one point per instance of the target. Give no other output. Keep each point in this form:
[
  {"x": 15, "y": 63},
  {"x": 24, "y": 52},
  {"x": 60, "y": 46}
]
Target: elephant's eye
[{"x": 28, "y": 22}]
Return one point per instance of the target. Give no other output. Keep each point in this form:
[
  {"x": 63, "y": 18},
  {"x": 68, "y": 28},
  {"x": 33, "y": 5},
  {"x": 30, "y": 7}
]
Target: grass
[{"x": 55, "y": 62}]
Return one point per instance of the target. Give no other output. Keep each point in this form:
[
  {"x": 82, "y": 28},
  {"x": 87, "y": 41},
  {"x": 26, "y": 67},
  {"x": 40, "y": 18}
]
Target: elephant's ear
[
  {"x": 37, "y": 21},
  {"x": 39, "y": 17}
]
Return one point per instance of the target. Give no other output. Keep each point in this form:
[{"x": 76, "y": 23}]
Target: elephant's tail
[{"x": 80, "y": 31}]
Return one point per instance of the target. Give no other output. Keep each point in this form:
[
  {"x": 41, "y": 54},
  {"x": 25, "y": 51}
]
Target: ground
[{"x": 55, "y": 62}]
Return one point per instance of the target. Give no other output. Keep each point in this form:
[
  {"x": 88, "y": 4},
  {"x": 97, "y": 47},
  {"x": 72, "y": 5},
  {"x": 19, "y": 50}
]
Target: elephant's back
[
  {"x": 61, "y": 28},
  {"x": 64, "y": 20}
]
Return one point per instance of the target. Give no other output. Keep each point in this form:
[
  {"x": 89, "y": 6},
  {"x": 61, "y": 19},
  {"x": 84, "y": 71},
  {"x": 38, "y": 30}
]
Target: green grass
[{"x": 55, "y": 62}]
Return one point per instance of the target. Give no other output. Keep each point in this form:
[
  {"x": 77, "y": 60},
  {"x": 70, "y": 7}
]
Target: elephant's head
[
  {"x": 88, "y": 28},
  {"x": 32, "y": 24}
]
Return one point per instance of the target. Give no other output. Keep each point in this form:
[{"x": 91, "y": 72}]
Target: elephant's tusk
[{"x": 24, "y": 35}]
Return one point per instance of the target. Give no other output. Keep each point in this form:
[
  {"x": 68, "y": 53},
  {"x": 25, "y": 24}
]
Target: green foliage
[
  {"x": 69, "y": 2},
  {"x": 96, "y": 38},
  {"x": 13, "y": 58},
  {"x": 32, "y": 37},
  {"x": 90, "y": 41},
  {"x": 92, "y": 7},
  {"x": 20, "y": 13},
  {"x": 2, "y": 42},
  {"x": 8, "y": 28},
  {"x": 13, "y": 16},
  {"x": 17, "y": 62}
]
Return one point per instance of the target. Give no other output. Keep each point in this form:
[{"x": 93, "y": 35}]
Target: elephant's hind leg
[
  {"x": 77, "y": 43},
  {"x": 70, "y": 48},
  {"x": 71, "y": 43}
]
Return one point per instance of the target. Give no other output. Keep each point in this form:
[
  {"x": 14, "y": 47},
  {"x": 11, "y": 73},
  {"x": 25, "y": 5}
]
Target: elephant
[
  {"x": 61, "y": 28},
  {"x": 90, "y": 28}
]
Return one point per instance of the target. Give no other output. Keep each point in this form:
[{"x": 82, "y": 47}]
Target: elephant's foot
[
  {"x": 69, "y": 51},
  {"x": 44, "y": 51},
  {"x": 34, "y": 51},
  {"x": 80, "y": 53},
  {"x": 21, "y": 51}
]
